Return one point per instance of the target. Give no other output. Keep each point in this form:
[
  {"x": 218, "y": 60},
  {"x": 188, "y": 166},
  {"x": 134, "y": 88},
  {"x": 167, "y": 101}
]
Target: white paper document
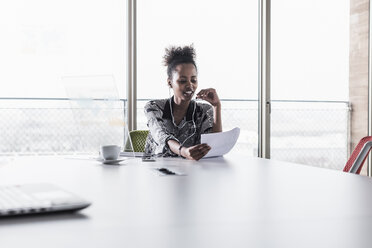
[{"x": 221, "y": 143}]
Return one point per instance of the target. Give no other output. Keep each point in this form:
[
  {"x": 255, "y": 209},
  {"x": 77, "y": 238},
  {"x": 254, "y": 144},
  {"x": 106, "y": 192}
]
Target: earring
[{"x": 169, "y": 88}]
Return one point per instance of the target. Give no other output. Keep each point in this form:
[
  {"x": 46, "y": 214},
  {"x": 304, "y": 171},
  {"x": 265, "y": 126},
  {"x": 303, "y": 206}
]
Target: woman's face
[{"x": 184, "y": 82}]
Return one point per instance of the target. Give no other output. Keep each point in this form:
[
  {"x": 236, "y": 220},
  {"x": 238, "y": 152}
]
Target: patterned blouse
[{"x": 198, "y": 120}]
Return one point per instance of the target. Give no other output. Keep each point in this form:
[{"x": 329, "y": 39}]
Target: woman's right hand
[{"x": 195, "y": 152}]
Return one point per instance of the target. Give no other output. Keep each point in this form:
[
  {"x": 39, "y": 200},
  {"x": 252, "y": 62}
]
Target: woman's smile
[{"x": 188, "y": 93}]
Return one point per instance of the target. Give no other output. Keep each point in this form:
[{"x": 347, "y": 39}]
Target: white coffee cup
[{"x": 110, "y": 152}]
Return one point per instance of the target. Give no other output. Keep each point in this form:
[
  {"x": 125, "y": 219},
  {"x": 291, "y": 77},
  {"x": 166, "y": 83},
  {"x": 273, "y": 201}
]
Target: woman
[{"x": 176, "y": 124}]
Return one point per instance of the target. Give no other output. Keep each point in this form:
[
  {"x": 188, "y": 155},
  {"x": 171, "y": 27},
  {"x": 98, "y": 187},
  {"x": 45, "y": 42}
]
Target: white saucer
[{"x": 110, "y": 161}]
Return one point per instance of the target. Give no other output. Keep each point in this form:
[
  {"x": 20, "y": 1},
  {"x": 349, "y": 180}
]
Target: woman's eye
[
  {"x": 183, "y": 81},
  {"x": 194, "y": 81}
]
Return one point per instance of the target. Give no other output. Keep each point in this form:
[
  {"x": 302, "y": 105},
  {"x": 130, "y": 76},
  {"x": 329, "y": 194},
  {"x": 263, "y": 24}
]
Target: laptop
[{"x": 38, "y": 198}]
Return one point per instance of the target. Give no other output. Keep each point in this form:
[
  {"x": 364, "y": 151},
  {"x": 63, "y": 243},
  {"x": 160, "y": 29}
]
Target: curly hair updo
[{"x": 178, "y": 55}]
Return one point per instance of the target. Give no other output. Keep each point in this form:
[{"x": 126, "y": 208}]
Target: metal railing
[
  {"x": 59, "y": 126},
  {"x": 307, "y": 132}
]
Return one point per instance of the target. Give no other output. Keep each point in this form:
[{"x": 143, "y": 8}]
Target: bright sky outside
[{"x": 44, "y": 41}]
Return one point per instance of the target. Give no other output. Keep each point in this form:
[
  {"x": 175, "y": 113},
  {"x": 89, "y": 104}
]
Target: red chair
[{"x": 359, "y": 155}]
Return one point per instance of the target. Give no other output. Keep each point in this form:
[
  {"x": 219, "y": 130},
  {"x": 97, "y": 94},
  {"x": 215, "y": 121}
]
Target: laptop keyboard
[{"x": 14, "y": 201}]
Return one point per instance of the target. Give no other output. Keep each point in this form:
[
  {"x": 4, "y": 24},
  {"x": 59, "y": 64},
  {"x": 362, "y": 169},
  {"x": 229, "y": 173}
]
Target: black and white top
[{"x": 198, "y": 120}]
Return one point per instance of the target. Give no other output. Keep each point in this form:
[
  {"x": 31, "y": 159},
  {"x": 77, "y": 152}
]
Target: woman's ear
[{"x": 169, "y": 83}]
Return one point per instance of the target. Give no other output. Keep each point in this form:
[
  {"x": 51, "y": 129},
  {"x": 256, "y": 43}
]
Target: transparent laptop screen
[{"x": 99, "y": 114}]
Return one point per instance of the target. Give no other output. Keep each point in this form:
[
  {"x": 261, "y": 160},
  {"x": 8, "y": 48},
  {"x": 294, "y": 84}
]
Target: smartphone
[{"x": 148, "y": 159}]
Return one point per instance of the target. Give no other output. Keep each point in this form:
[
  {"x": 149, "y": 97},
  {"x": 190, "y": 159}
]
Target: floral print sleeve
[
  {"x": 198, "y": 120},
  {"x": 159, "y": 133}
]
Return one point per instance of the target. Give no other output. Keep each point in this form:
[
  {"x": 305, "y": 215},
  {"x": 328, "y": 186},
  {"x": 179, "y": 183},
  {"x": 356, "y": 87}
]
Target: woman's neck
[
  {"x": 179, "y": 104},
  {"x": 180, "y": 110}
]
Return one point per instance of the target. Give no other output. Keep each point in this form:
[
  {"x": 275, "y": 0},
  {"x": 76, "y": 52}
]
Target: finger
[
  {"x": 206, "y": 91},
  {"x": 196, "y": 147},
  {"x": 204, "y": 148},
  {"x": 207, "y": 94},
  {"x": 210, "y": 92},
  {"x": 203, "y": 145},
  {"x": 210, "y": 95},
  {"x": 201, "y": 94},
  {"x": 195, "y": 152},
  {"x": 198, "y": 156},
  {"x": 199, "y": 153},
  {"x": 205, "y": 151},
  {"x": 202, "y": 154}
]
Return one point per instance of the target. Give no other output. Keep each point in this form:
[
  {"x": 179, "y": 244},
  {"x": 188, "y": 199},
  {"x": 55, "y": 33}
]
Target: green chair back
[{"x": 138, "y": 138}]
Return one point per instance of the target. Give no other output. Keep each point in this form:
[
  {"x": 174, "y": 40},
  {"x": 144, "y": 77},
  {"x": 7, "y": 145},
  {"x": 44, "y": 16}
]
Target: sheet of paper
[{"x": 221, "y": 143}]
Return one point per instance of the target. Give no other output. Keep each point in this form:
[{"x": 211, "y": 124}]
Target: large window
[
  {"x": 225, "y": 36},
  {"x": 310, "y": 82},
  {"x": 54, "y": 50},
  {"x": 45, "y": 45}
]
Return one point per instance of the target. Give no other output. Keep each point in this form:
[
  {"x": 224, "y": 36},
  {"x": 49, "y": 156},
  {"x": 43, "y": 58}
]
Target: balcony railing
[
  {"x": 59, "y": 126},
  {"x": 308, "y": 132}
]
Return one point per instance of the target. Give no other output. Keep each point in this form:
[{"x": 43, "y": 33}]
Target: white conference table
[{"x": 220, "y": 202}]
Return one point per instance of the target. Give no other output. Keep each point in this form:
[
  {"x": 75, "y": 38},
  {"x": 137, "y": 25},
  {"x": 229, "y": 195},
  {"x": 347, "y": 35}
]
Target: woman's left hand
[{"x": 209, "y": 95}]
